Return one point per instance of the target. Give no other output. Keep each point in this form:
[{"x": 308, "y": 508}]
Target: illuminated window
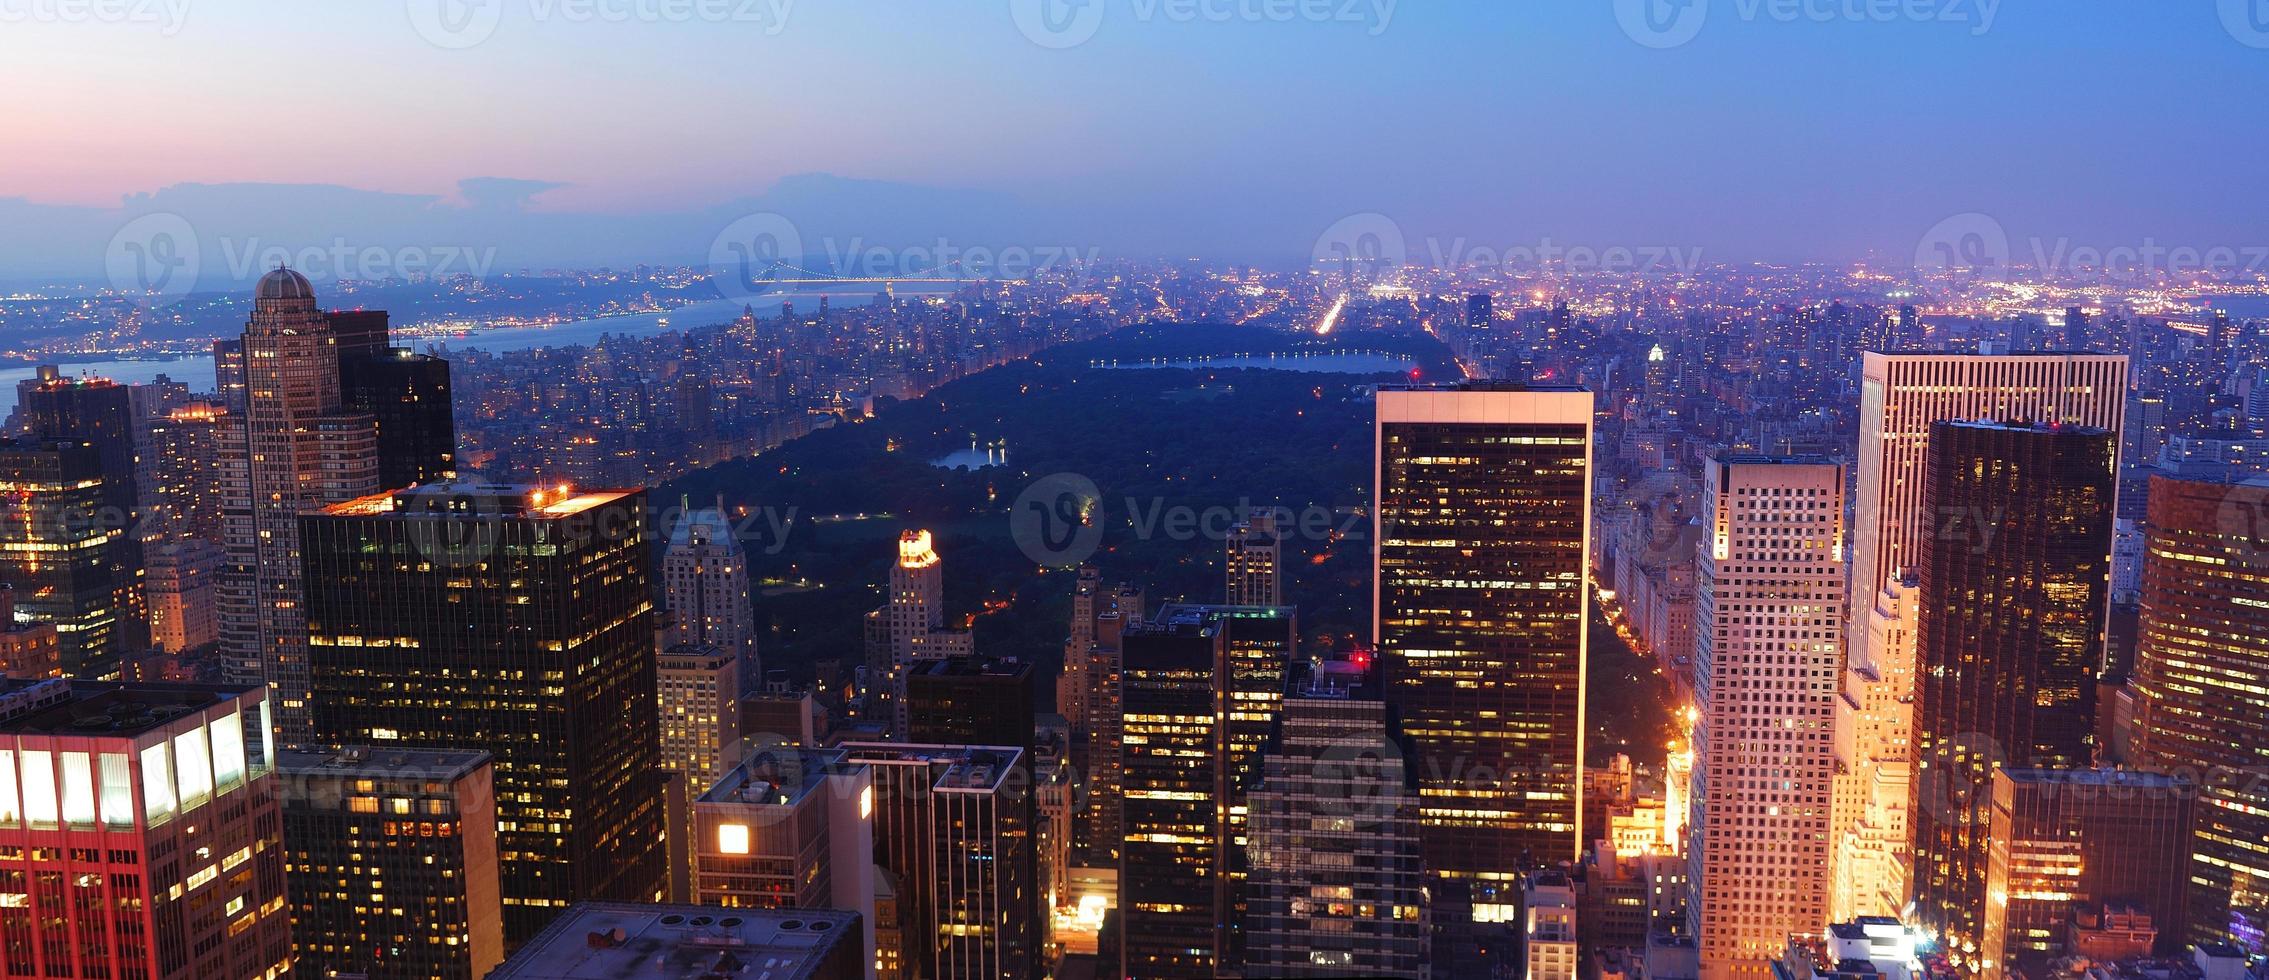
[
  {"x": 732, "y": 838},
  {"x": 78, "y": 790},
  {"x": 157, "y": 783},
  {"x": 117, "y": 791},
  {"x": 39, "y": 789},
  {"x": 11, "y": 811},
  {"x": 193, "y": 767},
  {"x": 228, "y": 751}
]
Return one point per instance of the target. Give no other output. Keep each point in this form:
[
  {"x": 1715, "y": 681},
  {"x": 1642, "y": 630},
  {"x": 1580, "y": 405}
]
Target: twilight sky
[{"x": 628, "y": 130}]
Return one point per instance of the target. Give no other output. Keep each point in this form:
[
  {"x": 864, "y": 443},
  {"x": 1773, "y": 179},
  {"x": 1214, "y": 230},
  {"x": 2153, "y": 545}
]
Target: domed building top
[{"x": 285, "y": 284}]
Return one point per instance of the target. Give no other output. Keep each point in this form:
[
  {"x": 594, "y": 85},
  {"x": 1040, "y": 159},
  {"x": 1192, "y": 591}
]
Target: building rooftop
[
  {"x": 610, "y": 941},
  {"x": 966, "y": 767},
  {"x": 75, "y": 707},
  {"x": 356, "y": 760},
  {"x": 480, "y": 499},
  {"x": 2023, "y": 425},
  {"x": 777, "y": 777},
  {"x": 971, "y": 667}
]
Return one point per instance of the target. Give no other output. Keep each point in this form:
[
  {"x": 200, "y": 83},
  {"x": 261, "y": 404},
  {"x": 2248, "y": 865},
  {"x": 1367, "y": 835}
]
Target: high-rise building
[
  {"x": 698, "y": 697},
  {"x": 950, "y": 830},
  {"x": 971, "y": 701},
  {"x": 2014, "y": 595},
  {"x": 1480, "y": 311},
  {"x": 392, "y": 862},
  {"x": 142, "y": 831},
  {"x": 299, "y": 450},
  {"x": 28, "y": 651},
  {"x": 613, "y": 939},
  {"x": 789, "y": 829},
  {"x": 519, "y": 621},
  {"x": 1088, "y": 695},
  {"x": 228, "y": 372},
  {"x": 1336, "y": 886},
  {"x": 697, "y": 692},
  {"x": 1256, "y": 560},
  {"x": 1902, "y": 395},
  {"x": 100, "y": 413},
  {"x": 1172, "y": 900},
  {"x": 408, "y": 396},
  {"x": 182, "y": 498},
  {"x": 915, "y": 617},
  {"x": 705, "y": 590},
  {"x": 2203, "y": 644},
  {"x": 182, "y": 579},
  {"x": 1768, "y": 631},
  {"x": 55, "y": 548},
  {"x": 2062, "y": 839},
  {"x": 1871, "y": 873},
  {"x": 1482, "y": 529}
]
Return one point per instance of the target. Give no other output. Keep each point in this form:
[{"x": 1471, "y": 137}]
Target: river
[{"x": 197, "y": 369}]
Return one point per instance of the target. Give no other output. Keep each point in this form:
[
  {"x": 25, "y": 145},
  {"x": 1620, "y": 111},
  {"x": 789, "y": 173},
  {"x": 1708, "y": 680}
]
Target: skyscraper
[
  {"x": 1902, "y": 395},
  {"x": 182, "y": 580},
  {"x": 55, "y": 548},
  {"x": 183, "y": 496},
  {"x": 299, "y": 450},
  {"x": 393, "y": 862},
  {"x": 1336, "y": 886},
  {"x": 1088, "y": 695},
  {"x": 143, "y": 832},
  {"x": 1769, "y": 618},
  {"x": 2081, "y": 838},
  {"x": 789, "y": 829},
  {"x": 1172, "y": 899},
  {"x": 28, "y": 651},
  {"x": 518, "y": 621},
  {"x": 1483, "y": 524},
  {"x": 1875, "y": 768},
  {"x": 100, "y": 413},
  {"x": 407, "y": 395},
  {"x": 2203, "y": 644},
  {"x": 1256, "y": 560},
  {"x": 698, "y": 699},
  {"x": 2014, "y": 595},
  {"x": 950, "y": 828},
  {"x": 706, "y": 591},
  {"x": 915, "y": 620}
]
